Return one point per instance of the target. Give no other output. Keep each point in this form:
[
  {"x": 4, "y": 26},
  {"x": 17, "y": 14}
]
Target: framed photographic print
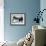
[{"x": 17, "y": 18}]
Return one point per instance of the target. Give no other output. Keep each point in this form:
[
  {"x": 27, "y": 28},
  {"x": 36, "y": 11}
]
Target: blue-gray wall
[
  {"x": 29, "y": 7},
  {"x": 43, "y": 6}
]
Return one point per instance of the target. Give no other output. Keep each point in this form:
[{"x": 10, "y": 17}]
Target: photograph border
[{"x": 18, "y": 24}]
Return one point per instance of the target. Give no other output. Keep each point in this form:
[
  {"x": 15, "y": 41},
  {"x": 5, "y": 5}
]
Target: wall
[
  {"x": 29, "y": 7},
  {"x": 43, "y": 6}
]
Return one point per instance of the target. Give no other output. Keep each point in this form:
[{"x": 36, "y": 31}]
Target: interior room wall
[
  {"x": 43, "y": 6},
  {"x": 29, "y": 7}
]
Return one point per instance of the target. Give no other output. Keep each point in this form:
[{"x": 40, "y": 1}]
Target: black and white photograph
[{"x": 17, "y": 18}]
